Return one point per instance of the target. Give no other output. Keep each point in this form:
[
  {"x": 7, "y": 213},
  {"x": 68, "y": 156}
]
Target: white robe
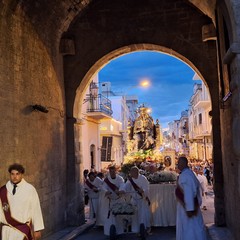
[
  {"x": 143, "y": 214},
  {"x": 25, "y": 207},
  {"x": 189, "y": 228},
  {"x": 203, "y": 182},
  {"x": 94, "y": 196},
  {"x": 109, "y": 218}
]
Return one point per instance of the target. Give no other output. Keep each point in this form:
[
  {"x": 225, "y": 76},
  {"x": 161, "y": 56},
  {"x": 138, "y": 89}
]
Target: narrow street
[
  {"x": 163, "y": 233},
  {"x": 159, "y": 232}
]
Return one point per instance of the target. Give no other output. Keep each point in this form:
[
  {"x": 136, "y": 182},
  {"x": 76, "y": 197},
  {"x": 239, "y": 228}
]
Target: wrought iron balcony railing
[{"x": 98, "y": 104}]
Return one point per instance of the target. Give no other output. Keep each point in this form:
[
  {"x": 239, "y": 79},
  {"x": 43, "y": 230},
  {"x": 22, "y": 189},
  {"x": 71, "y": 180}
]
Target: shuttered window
[{"x": 106, "y": 149}]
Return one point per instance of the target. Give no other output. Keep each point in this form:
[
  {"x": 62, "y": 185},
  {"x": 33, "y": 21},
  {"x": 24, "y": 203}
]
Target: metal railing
[
  {"x": 201, "y": 130},
  {"x": 99, "y": 104}
]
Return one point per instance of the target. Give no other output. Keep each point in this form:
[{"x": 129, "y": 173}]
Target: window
[
  {"x": 106, "y": 150},
  {"x": 92, "y": 155},
  {"x": 200, "y": 118}
]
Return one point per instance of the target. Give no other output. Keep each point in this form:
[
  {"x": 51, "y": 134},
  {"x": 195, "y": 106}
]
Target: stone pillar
[
  {"x": 217, "y": 160},
  {"x": 235, "y": 103},
  {"x": 75, "y": 204},
  {"x": 230, "y": 128},
  {"x": 232, "y": 58}
]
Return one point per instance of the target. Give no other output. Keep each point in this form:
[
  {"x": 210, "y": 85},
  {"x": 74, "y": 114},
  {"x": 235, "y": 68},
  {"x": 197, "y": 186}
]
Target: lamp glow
[
  {"x": 145, "y": 83},
  {"x": 149, "y": 110}
]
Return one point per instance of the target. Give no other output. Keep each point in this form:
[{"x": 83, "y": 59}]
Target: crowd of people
[
  {"x": 116, "y": 191},
  {"x": 21, "y": 216},
  {"x": 191, "y": 194},
  {"x": 205, "y": 166}
]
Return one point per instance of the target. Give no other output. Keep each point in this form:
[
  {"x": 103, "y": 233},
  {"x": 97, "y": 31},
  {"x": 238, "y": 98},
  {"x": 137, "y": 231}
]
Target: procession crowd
[
  {"x": 21, "y": 216},
  {"x": 191, "y": 188}
]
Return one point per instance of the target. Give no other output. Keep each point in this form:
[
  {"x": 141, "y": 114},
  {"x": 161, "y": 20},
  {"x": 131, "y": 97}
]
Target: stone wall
[
  {"x": 231, "y": 149},
  {"x": 32, "y": 138}
]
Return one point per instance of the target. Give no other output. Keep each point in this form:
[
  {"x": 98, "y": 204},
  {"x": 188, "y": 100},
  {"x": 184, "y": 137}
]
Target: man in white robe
[
  {"x": 93, "y": 185},
  {"x": 204, "y": 183},
  {"x": 190, "y": 223},
  {"x": 138, "y": 186},
  {"x": 112, "y": 186},
  {"x": 24, "y": 204}
]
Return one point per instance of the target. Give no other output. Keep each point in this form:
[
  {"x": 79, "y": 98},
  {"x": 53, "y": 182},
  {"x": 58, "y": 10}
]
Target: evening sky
[{"x": 171, "y": 82}]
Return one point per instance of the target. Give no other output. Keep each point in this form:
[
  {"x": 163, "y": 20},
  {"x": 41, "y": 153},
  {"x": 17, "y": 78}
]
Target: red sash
[
  {"x": 25, "y": 228},
  {"x": 137, "y": 189},
  {"x": 90, "y": 185},
  {"x": 180, "y": 197},
  {"x": 111, "y": 185}
]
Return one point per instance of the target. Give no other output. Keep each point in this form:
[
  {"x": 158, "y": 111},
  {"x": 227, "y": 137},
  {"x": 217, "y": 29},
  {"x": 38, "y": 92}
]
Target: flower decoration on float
[{"x": 123, "y": 208}]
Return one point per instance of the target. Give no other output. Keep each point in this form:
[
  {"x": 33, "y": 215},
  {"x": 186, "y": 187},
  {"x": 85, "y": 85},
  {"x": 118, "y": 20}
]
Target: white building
[
  {"x": 183, "y": 133},
  {"x": 111, "y": 142},
  {"x": 132, "y": 103},
  {"x": 191, "y": 135},
  {"x": 120, "y": 110},
  {"x": 95, "y": 108},
  {"x": 200, "y": 127},
  {"x": 174, "y": 135},
  {"x": 113, "y": 132},
  {"x": 103, "y": 125}
]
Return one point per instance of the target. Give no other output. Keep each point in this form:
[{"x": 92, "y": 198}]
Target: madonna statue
[{"x": 144, "y": 131}]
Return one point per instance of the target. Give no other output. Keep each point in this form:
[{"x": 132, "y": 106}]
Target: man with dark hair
[
  {"x": 17, "y": 167},
  {"x": 20, "y": 211},
  {"x": 189, "y": 217}
]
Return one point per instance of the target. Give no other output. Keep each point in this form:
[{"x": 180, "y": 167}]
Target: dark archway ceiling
[
  {"x": 55, "y": 16},
  {"x": 205, "y": 6}
]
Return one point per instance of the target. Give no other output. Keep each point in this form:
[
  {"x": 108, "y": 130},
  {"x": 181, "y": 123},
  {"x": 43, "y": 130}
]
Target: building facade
[
  {"x": 200, "y": 127},
  {"x": 96, "y": 108},
  {"x": 191, "y": 135}
]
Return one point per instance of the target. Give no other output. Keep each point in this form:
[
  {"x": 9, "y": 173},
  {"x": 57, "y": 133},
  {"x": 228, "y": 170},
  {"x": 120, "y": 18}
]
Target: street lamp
[
  {"x": 93, "y": 90},
  {"x": 93, "y": 93},
  {"x": 145, "y": 83}
]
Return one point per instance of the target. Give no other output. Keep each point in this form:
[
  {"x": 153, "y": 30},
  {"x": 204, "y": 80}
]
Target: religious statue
[{"x": 143, "y": 131}]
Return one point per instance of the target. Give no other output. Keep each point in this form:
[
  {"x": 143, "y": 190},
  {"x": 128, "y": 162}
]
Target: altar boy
[{"x": 138, "y": 185}]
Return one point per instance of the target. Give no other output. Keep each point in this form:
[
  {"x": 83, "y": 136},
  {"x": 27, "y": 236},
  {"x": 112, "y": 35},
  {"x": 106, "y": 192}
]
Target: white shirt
[
  {"x": 141, "y": 182},
  {"x": 118, "y": 181},
  {"x": 25, "y": 207},
  {"x": 97, "y": 182}
]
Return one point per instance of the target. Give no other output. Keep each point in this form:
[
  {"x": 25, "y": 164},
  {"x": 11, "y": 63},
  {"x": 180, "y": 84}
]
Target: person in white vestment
[
  {"x": 93, "y": 185},
  {"x": 138, "y": 186},
  {"x": 190, "y": 223},
  {"x": 204, "y": 183},
  {"x": 112, "y": 186},
  {"x": 24, "y": 205}
]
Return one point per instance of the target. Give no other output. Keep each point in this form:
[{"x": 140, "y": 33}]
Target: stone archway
[
  {"x": 97, "y": 28},
  {"x": 118, "y": 52}
]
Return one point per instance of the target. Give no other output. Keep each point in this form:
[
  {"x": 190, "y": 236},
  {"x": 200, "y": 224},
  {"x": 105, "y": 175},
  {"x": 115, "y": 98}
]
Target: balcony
[
  {"x": 98, "y": 107},
  {"x": 203, "y": 104},
  {"x": 200, "y": 131}
]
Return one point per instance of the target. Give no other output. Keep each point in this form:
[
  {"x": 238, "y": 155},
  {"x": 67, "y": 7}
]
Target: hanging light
[
  {"x": 39, "y": 108},
  {"x": 94, "y": 89}
]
